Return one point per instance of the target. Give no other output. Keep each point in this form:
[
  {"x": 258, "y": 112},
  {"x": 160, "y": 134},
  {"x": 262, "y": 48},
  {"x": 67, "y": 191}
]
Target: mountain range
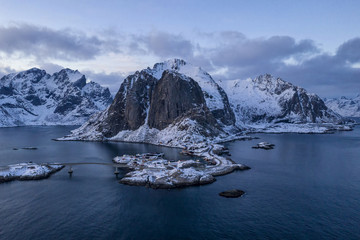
[
  {"x": 266, "y": 100},
  {"x": 34, "y": 97},
  {"x": 347, "y": 107},
  {"x": 175, "y": 103}
]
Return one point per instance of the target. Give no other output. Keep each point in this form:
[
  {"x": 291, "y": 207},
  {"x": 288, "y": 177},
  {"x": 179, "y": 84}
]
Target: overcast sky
[{"x": 313, "y": 44}]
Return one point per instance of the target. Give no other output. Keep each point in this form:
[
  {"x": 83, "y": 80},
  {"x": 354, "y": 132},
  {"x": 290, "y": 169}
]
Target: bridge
[{"x": 115, "y": 165}]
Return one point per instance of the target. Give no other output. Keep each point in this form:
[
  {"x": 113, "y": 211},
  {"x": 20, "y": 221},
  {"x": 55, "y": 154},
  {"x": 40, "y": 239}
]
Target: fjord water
[{"x": 308, "y": 187}]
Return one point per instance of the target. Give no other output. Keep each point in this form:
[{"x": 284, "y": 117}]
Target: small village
[{"x": 153, "y": 170}]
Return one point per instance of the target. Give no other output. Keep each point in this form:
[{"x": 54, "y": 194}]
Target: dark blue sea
[{"x": 308, "y": 187}]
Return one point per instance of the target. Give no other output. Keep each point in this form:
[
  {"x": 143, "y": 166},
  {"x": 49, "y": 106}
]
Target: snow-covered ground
[
  {"x": 27, "y": 171},
  {"x": 157, "y": 172}
]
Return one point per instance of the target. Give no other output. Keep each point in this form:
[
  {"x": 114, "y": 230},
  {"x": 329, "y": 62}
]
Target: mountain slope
[
  {"x": 34, "y": 97},
  {"x": 268, "y": 100},
  {"x": 346, "y": 107},
  {"x": 170, "y": 104},
  {"x": 175, "y": 104},
  {"x": 215, "y": 97}
]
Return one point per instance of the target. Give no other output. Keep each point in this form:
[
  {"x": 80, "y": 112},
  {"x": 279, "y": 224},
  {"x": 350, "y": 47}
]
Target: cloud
[
  {"x": 245, "y": 56},
  {"x": 50, "y": 67},
  {"x": 110, "y": 80},
  {"x": 349, "y": 51},
  {"x": 232, "y": 55},
  {"x": 6, "y": 70},
  {"x": 162, "y": 44},
  {"x": 329, "y": 75},
  {"x": 45, "y": 43},
  {"x": 226, "y": 55}
]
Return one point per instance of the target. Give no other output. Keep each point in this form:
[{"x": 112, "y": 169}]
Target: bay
[{"x": 307, "y": 187}]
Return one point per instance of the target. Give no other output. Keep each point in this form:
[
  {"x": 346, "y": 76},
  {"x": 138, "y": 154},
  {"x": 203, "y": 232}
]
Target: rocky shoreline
[
  {"x": 154, "y": 171},
  {"x": 27, "y": 171}
]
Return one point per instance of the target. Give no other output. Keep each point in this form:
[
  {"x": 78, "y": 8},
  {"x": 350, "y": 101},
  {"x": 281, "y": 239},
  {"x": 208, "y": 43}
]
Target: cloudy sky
[{"x": 314, "y": 44}]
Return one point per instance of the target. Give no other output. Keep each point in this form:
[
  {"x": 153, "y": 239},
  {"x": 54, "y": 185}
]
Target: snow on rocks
[
  {"x": 266, "y": 102},
  {"x": 34, "y": 97},
  {"x": 264, "y": 145},
  {"x": 27, "y": 171},
  {"x": 152, "y": 170},
  {"x": 305, "y": 128},
  {"x": 346, "y": 107},
  {"x": 208, "y": 85}
]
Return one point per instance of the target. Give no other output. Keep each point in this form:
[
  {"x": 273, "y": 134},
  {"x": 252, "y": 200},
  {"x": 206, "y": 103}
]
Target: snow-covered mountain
[
  {"x": 265, "y": 101},
  {"x": 170, "y": 104},
  {"x": 215, "y": 97},
  {"x": 346, "y": 107},
  {"x": 175, "y": 103},
  {"x": 34, "y": 97}
]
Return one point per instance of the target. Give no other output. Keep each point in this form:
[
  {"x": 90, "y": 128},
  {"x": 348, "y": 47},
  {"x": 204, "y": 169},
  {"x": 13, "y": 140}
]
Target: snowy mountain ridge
[
  {"x": 266, "y": 100},
  {"x": 175, "y": 103},
  {"x": 216, "y": 98},
  {"x": 346, "y": 107},
  {"x": 34, "y": 97}
]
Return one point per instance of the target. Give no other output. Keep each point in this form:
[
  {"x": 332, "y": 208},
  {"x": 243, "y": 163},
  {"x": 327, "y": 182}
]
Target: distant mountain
[
  {"x": 268, "y": 100},
  {"x": 34, "y": 97},
  {"x": 175, "y": 103},
  {"x": 346, "y": 107}
]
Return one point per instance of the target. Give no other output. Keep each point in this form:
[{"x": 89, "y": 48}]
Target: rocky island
[
  {"x": 27, "y": 171},
  {"x": 152, "y": 170},
  {"x": 176, "y": 104}
]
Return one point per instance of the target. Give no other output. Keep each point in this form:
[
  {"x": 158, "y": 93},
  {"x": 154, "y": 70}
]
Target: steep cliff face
[
  {"x": 130, "y": 106},
  {"x": 215, "y": 97},
  {"x": 174, "y": 95},
  {"x": 34, "y": 97},
  {"x": 270, "y": 100},
  {"x": 147, "y": 109}
]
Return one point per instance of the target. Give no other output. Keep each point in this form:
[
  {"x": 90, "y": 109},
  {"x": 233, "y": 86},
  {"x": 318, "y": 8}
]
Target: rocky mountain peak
[
  {"x": 173, "y": 64},
  {"x": 270, "y": 100},
  {"x": 345, "y": 106},
  {"x": 215, "y": 97},
  {"x": 35, "y": 74},
  {"x": 174, "y": 95},
  {"x": 34, "y": 97},
  {"x": 68, "y": 75},
  {"x": 271, "y": 84},
  {"x": 175, "y": 103}
]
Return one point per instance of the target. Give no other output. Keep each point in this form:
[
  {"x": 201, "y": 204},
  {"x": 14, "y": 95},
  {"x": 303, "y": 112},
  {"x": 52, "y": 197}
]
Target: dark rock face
[
  {"x": 214, "y": 93},
  {"x": 173, "y": 96},
  {"x": 80, "y": 83},
  {"x": 235, "y": 193},
  {"x": 305, "y": 105},
  {"x": 129, "y": 108},
  {"x": 7, "y": 91},
  {"x": 225, "y": 115},
  {"x": 162, "y": 102},
  {"x": 68, "y": 104}
]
